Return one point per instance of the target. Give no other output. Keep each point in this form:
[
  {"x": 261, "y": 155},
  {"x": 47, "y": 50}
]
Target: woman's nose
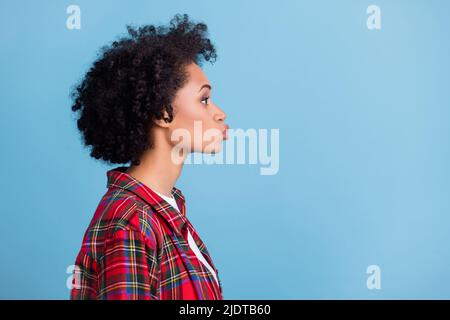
[{"x": 220, "y": 115}]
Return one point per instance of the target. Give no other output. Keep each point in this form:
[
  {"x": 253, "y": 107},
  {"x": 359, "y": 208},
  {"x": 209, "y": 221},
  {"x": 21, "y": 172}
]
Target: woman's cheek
[
  {"x": 194, "y": 120},
  {"x": 193, "y": 111}
]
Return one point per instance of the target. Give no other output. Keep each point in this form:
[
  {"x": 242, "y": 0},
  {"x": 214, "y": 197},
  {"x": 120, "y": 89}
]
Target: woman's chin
[{"x": 213, "y": 150}]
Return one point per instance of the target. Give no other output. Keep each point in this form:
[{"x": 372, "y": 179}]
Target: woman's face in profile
[{"x": 198, "y": 124}]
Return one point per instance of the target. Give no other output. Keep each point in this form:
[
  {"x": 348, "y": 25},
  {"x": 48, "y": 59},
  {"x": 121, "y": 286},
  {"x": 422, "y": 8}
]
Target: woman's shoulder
[{"x": 119, "y": 210}]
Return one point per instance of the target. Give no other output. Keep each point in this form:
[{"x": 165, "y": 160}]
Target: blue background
[{"x": 363, "y": 115}]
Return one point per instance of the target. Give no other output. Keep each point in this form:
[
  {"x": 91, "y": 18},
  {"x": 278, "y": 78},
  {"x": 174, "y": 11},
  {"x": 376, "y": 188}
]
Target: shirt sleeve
[{"x": 129, "y": 268}]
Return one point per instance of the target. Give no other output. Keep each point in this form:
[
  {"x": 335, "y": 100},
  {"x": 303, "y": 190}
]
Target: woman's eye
[{"x": 206, "y": 100}]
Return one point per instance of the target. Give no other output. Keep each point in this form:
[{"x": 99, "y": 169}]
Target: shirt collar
[{"x": 118, "y": 178}]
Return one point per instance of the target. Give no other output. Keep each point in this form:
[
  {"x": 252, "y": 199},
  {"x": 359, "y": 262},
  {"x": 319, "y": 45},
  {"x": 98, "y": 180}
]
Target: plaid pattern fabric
[{"x": 136, "y": 247}]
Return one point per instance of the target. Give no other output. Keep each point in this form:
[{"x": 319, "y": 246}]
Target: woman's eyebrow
[{"x": 205, "y": 86}]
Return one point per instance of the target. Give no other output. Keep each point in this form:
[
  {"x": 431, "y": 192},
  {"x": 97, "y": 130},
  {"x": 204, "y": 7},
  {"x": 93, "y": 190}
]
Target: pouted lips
[{"x": 225, "y": 132}]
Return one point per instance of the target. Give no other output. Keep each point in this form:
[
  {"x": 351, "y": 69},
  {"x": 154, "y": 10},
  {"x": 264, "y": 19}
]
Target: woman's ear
[{"x": 165, "y": 121}]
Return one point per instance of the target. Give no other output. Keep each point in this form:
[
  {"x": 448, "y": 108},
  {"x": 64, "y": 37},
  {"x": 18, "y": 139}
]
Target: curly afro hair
[{"x": 131, "y": 84}]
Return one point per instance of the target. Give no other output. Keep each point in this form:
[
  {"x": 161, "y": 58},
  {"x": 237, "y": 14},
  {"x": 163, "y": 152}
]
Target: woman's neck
[{"x": 157, "y": 170}]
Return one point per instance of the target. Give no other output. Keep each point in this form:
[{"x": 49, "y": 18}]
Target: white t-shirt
[{"x": 191, "y": 240}]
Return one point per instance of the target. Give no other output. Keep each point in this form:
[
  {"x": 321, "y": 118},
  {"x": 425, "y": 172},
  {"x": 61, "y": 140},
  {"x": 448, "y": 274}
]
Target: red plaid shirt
[{"x": 136, "y": 248}]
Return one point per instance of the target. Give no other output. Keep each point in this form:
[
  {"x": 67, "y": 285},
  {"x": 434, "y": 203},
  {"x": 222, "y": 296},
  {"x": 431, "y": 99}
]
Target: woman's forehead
[{"x": 197, "y": 78}]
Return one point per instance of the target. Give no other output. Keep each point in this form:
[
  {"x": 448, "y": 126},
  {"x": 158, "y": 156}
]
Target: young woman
[{"x": 143, "y": 102}]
